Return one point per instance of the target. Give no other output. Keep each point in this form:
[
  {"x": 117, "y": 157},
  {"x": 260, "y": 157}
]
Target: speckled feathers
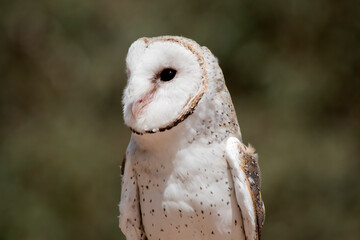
[{"x": 184, "y": 176}]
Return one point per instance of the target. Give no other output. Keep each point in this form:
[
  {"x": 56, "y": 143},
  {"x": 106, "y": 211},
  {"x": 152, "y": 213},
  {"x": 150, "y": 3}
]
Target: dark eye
[{"x": 167, "y": 74}]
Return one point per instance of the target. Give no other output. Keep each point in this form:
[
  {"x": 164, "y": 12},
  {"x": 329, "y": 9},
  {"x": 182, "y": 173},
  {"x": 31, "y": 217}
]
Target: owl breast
[{"x": 187, "y": 194}]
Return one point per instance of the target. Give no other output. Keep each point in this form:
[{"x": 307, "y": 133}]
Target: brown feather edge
[
  {"x": 191, "y": 104},
  {"x": 250, "y": 166},
  {"x": 122, "y": 168}
]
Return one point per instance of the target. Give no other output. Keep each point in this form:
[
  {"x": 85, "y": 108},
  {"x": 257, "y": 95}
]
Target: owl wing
[
  {"x": 246, "y": 176},
  {"x": 130, "y": 213}
]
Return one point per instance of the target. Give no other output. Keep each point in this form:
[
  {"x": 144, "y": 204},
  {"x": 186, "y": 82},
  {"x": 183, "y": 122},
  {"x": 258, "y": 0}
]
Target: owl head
[{"x": 167, "y": 78}]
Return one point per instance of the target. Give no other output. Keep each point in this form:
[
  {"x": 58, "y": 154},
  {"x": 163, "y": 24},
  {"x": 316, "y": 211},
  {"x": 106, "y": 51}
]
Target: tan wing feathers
[{"x": 250, "y": 166}]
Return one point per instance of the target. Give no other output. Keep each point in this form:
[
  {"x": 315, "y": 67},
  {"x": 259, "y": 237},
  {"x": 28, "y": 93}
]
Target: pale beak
[{"x": 139, "y": 105}]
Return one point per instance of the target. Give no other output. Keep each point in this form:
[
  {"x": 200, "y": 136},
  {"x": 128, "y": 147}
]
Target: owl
[{"x": 186, "y": 173}]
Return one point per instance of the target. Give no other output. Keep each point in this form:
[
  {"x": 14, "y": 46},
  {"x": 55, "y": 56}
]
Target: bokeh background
[{"x": 292, "y": 67}]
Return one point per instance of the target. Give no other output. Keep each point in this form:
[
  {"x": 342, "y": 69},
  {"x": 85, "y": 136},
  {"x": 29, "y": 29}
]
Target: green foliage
[{"x": 292, "y": 68}]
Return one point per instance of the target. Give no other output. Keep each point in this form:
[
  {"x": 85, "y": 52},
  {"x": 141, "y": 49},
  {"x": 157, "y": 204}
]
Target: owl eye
[{"x": 167, "y": 74}]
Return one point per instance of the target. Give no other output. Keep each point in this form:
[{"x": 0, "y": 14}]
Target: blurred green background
[{"x": 292, "y": 67}]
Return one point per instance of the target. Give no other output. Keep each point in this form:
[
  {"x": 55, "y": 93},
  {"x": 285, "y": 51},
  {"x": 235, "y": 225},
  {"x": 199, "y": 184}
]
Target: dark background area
[{"x": 292, "y": 67}]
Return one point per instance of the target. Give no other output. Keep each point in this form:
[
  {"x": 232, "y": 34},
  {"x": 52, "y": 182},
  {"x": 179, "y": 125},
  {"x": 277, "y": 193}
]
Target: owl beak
[{"x": 139, "y": 105}]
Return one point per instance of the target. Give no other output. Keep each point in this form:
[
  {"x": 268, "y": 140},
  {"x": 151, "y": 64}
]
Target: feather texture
[{"x": 184, "y": 177}]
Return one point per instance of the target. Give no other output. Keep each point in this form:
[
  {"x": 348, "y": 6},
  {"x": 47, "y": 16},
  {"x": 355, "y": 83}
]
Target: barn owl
[{"x": 186, "y": 173}]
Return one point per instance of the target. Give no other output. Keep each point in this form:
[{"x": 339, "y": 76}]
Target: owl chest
[{"x": 189, "y": 195}]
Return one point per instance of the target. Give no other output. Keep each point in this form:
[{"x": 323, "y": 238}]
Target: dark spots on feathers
[{"x": 252, "y": 171}]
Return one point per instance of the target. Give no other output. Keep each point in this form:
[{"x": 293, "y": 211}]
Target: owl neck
[
  {"x": 212, "y": 122},
  {"x": 175, "y": 137}
]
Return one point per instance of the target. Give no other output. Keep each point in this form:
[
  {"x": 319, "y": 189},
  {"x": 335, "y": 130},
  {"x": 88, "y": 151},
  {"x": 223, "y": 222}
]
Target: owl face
[{"x": 166, "y": 80}]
